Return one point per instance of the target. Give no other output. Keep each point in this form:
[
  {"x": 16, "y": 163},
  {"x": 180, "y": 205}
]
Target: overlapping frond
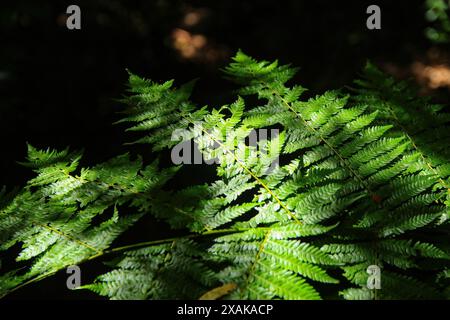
[{"x": 53, "y": 218}]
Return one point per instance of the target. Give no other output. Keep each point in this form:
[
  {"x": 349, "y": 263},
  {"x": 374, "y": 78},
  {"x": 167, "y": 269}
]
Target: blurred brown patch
[
  {"x": 431, "y": 71},
  {"x": 61, "y": 20},
  {"x": 191, "y": 42},
  {"x": 431, "y": 76},
  {"x": 193, "y": 17},
  {"x": 196, "y": 47},
  {"x": 434, "y": 71}
]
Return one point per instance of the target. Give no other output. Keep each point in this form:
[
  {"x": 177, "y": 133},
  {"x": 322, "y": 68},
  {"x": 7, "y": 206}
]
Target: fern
[
  {"x": 424, "y": 124},
  {"x": 53, "y": 217},
  {"x": 351, "y": 180}
]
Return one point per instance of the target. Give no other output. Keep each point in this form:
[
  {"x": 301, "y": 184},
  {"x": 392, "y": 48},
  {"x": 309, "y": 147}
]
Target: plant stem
[{"x": 127, "y": 247}]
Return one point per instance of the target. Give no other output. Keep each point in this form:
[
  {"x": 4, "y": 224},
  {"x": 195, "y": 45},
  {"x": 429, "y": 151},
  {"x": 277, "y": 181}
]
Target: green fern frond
[{"x": 349, "y": 181}]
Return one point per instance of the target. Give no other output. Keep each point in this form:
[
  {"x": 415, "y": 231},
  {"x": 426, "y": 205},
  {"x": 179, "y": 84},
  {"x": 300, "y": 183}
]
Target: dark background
[{"x": 58, "y": 86}]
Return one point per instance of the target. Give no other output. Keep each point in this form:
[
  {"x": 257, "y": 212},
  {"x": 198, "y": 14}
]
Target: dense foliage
[
  {"x": 437, "y": 12},
  {"x": 363, "y": 179}
]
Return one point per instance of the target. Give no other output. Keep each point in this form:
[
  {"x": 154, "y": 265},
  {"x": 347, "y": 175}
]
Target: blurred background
[{"x": 58, "y": 87}]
